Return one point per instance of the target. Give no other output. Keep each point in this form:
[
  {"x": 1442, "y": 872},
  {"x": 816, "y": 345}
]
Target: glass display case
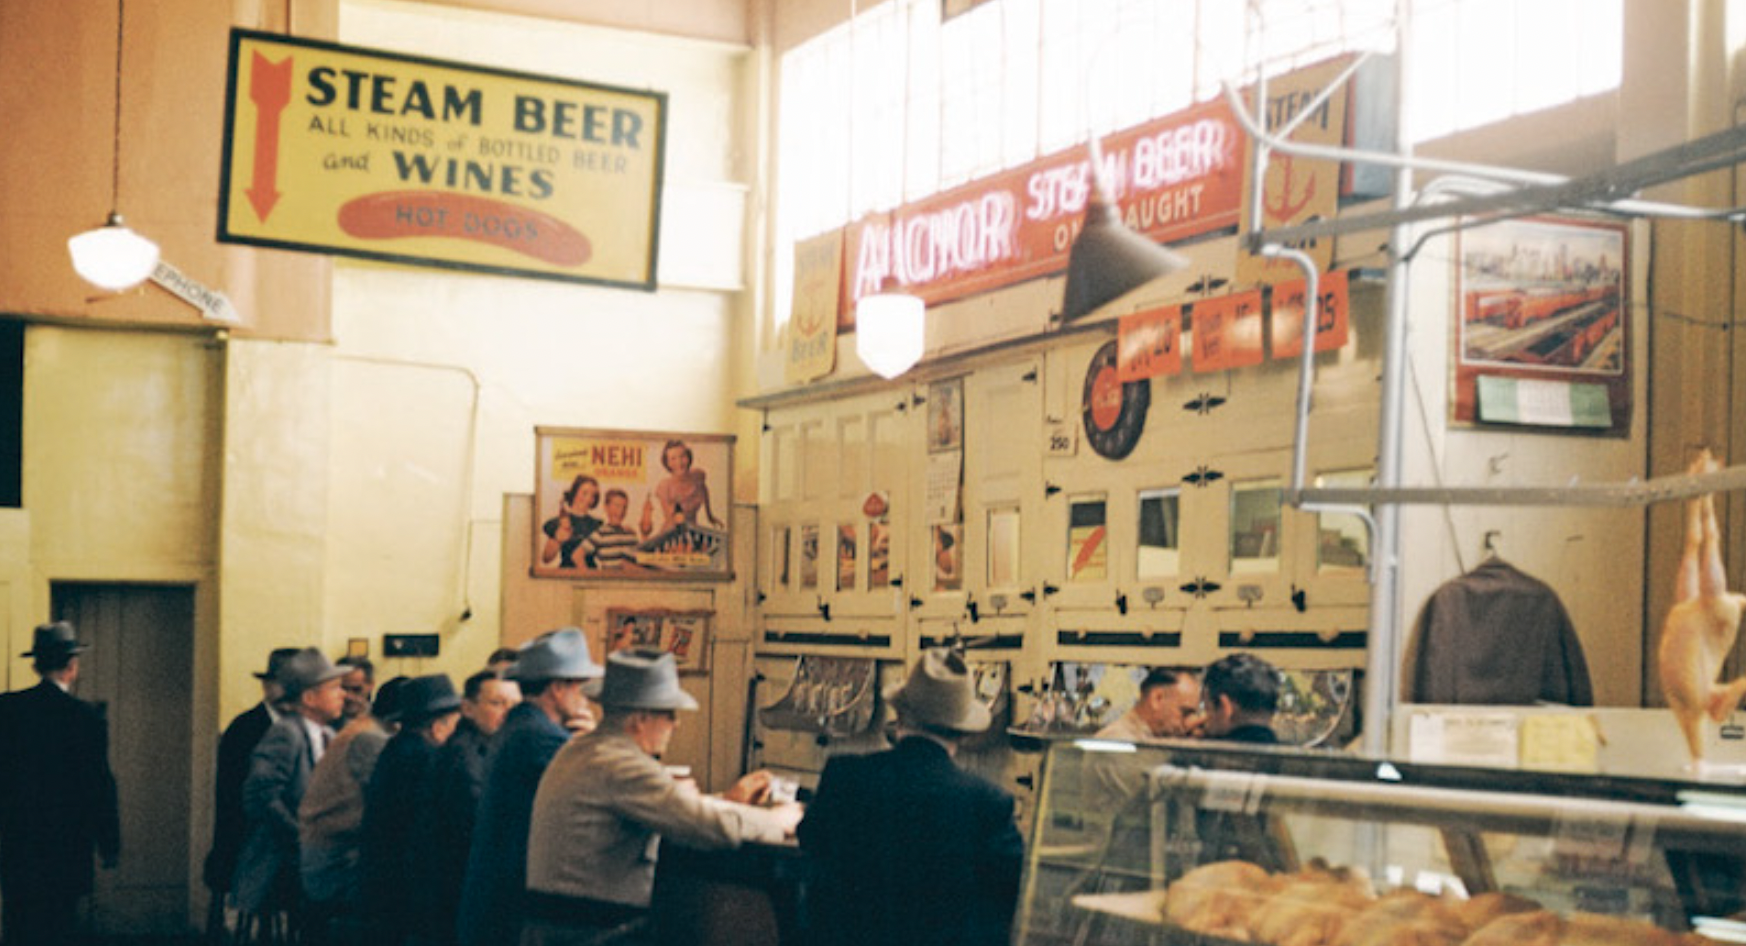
[{"x": 1201, "y": 843}]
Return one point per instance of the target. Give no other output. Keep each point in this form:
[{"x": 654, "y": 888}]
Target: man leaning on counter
[{"x": 606, "y": 801}]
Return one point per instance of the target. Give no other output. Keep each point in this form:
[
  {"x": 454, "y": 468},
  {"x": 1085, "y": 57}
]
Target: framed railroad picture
[
  {"x": 637, "y": 505},
  {"x": 1542, "y": 326},
  {"x": 684, "y": 634}
]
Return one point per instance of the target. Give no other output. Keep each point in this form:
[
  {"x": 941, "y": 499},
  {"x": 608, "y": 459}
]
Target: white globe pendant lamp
[
  {"x": 112, "y": 256},
  {"x": 890, "y": 331}
]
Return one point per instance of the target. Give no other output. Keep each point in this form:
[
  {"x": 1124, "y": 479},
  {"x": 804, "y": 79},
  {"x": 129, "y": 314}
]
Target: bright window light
[{"x": 937, "y": 103}]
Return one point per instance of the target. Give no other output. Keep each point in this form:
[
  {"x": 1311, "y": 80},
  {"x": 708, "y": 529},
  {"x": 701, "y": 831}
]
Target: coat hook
[{"x": 1489, "y": 543}]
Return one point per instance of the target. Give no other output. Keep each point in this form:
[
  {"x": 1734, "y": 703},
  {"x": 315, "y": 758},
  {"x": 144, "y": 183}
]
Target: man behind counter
[
  {"x": 1169, "y": 700},
  {"x": 606, "y": 801},
  {"x": 1240, "y": 693},
  {"x": 906, "y": 847}
]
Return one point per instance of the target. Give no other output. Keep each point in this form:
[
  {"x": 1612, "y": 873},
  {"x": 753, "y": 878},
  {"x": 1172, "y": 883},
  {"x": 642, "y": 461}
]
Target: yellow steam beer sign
[{"x": 372, "y": 154}]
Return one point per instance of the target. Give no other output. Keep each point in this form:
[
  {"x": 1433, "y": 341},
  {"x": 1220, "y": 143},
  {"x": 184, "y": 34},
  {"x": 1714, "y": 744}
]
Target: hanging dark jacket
[{"x": 1495, "y": 636}]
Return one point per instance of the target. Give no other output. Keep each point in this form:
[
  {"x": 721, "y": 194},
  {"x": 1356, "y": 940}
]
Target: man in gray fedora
[
  {"x": 235, "y": 747},
  {"x": 551, "y": 670},
  {"x": 606, "y": 802},
  {"x": 905, "y": 846},
  {"x": 57, "y": 796},
  {"x": 266, "y": 882}
]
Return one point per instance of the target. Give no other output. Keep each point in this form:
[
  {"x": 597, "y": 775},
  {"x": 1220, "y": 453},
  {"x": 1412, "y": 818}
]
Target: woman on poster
[
  {"x": 566, "y": 531},
  {"x": 682, "y": 494}
]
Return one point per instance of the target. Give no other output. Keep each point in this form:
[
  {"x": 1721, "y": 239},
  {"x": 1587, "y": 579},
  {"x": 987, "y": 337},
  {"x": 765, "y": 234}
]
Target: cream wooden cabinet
[{"x": 1173, "y": 554}]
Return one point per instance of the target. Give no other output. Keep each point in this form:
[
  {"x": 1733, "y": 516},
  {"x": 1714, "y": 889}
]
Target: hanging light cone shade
[
  {"x": 890, "y": 330},
  {"x": 1108, "y": 260},
  {"x": 112, "y": 256}
]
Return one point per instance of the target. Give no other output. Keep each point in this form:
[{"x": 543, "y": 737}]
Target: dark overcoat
[
  {"x": 448, "y": 802},
  {"x": 234, "y": 748},
  {"x": 57, "y": 794},
  {"x": 908, "y": 848},
  {"x": 390, "y": 811},
  {"x": 491, "y": 895}
]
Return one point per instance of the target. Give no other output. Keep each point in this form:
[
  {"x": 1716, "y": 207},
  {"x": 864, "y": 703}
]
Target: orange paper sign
[
  {"x": 1149, "y": 344},
  {"x": 1331, "y": 307},
  {"x": 1227, "y": 332}
]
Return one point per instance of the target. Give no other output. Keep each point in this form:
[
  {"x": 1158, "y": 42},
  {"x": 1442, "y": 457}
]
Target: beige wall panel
[
  {"x": 275, "y": 511},
  {"x": 55, "y": 164},
  {"x": 120, "y": 451}
]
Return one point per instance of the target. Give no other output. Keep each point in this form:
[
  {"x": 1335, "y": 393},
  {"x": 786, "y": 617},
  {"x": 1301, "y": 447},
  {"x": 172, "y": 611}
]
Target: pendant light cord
[{"x": 115, "y": 152}]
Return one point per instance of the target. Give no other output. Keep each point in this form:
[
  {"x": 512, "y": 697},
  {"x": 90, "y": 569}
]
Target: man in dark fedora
[
  {"x": 57, "y": 796},
  {"x": 429, "y": 709},
  {"x": 266, "y": 880},
  {"x": 234, "y": 748},
  {"x": 449, "y": 801},
  {"x": 606, "y": 802},
  {"x": 551, "y": 670},
  {"x": 905, "y": 846}
]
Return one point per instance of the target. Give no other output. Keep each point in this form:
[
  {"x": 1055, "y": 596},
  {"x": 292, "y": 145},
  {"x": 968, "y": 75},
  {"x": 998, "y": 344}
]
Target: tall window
[{"x": 933, "y": 104}]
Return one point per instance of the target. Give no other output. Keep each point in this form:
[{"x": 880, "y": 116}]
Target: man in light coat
[{"x": 606, "y": 802}]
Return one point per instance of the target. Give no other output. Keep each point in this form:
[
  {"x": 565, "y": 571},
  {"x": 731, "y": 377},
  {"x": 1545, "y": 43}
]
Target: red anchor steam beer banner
[
  {"x": 1172, "y": 178},
  {"x": 1298, "y": 190},
  {"x": 357, "y": 152}
]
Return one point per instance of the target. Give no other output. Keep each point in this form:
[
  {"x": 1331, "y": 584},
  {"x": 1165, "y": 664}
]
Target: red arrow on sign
[{"x": 270, "y": 90}]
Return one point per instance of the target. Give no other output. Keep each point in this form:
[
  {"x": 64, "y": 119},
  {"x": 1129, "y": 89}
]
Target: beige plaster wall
[
  {"x": 438, "y": 379},
  {"x": 120, "y": 471}
]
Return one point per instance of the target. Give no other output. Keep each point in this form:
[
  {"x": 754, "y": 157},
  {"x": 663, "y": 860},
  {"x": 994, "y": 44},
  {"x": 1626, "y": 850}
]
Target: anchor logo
[{"x": 1279, "y": 201}]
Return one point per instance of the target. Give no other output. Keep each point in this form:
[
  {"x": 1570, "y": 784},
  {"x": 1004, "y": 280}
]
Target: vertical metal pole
[{"x": 1383, "y": 668}]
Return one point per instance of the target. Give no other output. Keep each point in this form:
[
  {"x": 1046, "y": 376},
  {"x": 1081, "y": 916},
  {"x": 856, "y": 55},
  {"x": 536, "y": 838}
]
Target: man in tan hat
[
  {"x": 552, "y": 670},
  {"x": 330, "y": 819},
  {"x": 606, "y": 801},
  {"x": 57, "y": 796},
  {"x": 905, "y": 846}
]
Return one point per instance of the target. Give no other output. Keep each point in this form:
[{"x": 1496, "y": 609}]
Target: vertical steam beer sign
[{"x": 378, "y": 155}]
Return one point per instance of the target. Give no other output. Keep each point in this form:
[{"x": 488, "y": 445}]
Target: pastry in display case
[{"x": 1201, "y": 843}]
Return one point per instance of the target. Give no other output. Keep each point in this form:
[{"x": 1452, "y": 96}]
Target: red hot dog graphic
[{"x": 398, "y": 214}]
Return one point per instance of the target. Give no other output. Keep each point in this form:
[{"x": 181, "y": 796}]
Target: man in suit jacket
[
  {"x": 234, "y": 748},
  {"x": 551, "y": 670},
  {"x": 266, "y": 871},
  {"x": 57, "y": 796},
  {"x": 905, "y": 846}
]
